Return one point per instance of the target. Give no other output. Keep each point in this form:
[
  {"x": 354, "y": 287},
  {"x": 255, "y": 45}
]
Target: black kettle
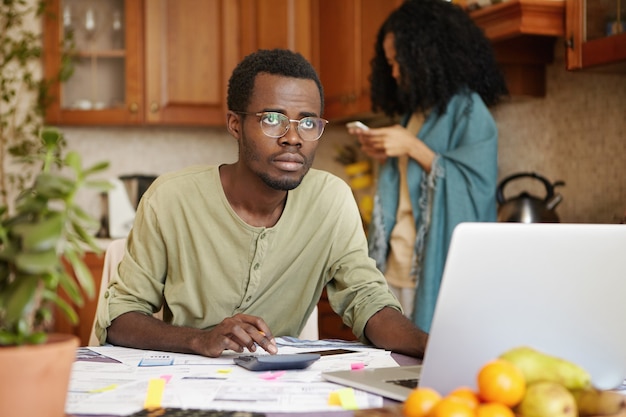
[{"x": 526, "y": 208}]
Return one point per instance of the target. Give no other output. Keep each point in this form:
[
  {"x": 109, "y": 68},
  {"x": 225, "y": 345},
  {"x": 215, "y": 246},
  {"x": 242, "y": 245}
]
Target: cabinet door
[
  {"x": 268, "y": 24},
  {"x": 596, "y": 34},
  {"x": 347, "y": 33},
  {"x": 106, "y": 85},
  {"x": 190, "y": 53}
]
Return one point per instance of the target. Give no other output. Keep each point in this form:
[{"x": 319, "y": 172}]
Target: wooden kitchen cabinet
[
  {"x": 596, "y": 35},
  {"x": 346, "y": 33},
  {"x": 165, "y": 69},
  {"x": 106, "y": 86},
  {"x": 269, "y": 24},
  {"x": 190, "y": 48},
  {"x": 523, "y": 34},
  {"x": 337, "y": 37}
]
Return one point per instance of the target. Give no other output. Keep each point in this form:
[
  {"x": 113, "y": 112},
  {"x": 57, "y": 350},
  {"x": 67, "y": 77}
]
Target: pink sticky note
[
  {"x": 268, "y": 376},
  {"x": 166, "y": 378},
  {"x": 357, "y": 365}
]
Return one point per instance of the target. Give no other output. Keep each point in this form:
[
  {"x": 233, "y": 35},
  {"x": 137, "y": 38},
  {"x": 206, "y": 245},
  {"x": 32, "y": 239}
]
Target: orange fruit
[
  {"x": 466, "y": 395},
  {"x": 502, "y": 382},
  {"x": 420, "y": 401},
  {"x": 452, "y": 407},
  {"x": 494, "y": 410}
]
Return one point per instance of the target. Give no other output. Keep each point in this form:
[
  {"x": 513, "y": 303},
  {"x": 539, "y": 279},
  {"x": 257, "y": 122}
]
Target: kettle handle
[{"x": 546, "y": 183}]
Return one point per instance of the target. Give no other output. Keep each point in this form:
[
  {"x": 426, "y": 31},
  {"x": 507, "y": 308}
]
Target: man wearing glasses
[{"x": 239, "y": 253}]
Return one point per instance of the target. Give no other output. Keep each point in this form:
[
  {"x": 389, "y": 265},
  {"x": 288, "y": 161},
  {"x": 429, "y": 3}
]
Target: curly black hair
[
  {"x": 440, "y": 52},
  {"x": 271, "y": 61}
]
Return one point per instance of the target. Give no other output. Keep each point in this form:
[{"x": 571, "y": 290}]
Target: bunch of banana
[
  {"x": 556, "y": 387},
  {"x": 595, "y": 402}
]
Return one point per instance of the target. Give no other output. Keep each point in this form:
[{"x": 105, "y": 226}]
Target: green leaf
[
  {"x": 73, "y": 160},
  {"x": 70, "y": 286},
  {"x": 83, "y": 235},
  {"x": 37, "y": 338},
  {"x": 83, "y": 274},
  {"x": 51, "y": 137},
  {"x": 41, "y": 236},
  {"x": 7, "y": 338},
  {"x": 37, "y": 262},
  {"x": 20, "y": 294},
  {"x": 54, "y": 186},
  {"x": 78, "y": 213},
  {"x": 98, "y": 167},
  {"x": 67, "y": 310},
  {"x": 99, "y": 185}
]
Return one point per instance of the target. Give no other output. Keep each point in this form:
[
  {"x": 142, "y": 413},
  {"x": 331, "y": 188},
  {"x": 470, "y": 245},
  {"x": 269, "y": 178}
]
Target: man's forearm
[
  {"x": 389, "y": 329},
  {"x": 138, "y": 330}
]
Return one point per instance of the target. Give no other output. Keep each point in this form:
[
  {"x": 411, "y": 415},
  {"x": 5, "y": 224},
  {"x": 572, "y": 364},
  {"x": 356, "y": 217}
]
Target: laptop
[{"x": 559, "y": 288}]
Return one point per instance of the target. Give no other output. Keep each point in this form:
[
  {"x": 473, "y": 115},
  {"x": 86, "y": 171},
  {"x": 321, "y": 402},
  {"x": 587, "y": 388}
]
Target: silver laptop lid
[{"x": 560, "y": 288}]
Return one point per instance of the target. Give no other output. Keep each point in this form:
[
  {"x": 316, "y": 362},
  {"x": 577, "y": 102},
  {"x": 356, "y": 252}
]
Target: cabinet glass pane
[
  {"x": 99, "y": 56},
  {"x": 604, "y": 18}
]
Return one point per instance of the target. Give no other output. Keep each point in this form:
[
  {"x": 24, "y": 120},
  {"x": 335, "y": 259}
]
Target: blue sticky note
[{"x": 157, "y": 359}]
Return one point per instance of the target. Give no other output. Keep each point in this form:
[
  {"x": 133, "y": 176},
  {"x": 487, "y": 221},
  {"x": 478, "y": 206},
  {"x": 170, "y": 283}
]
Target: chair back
[{"x": 112, "y": 257}]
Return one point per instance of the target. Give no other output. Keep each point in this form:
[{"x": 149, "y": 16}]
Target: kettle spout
[{"x": 554, "y": 201}]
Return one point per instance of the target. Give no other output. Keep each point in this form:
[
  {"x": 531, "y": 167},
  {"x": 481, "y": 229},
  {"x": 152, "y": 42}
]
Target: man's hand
[
  {"x": 141, "y": 331},
  {"x": 236, "y": 333}
]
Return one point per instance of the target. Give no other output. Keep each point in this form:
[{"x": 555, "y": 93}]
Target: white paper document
[{"x": 109, "y": 380}]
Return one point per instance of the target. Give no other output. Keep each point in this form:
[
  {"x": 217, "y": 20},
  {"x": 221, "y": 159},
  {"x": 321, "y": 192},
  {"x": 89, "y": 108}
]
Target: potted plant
[
  {"x": 46, "y": 227},
  {"x": 41, "y": 226}
]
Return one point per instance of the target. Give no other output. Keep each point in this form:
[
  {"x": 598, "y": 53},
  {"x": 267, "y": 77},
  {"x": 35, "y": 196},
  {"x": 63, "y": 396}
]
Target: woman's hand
[{"x": 394, "y": 141}]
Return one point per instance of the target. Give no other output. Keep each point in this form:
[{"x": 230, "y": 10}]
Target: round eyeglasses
[{"x": 275, "y": 125}]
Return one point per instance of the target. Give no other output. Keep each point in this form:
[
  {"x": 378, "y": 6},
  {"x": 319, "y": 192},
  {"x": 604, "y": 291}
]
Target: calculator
[{"x": 277, "y": 362}]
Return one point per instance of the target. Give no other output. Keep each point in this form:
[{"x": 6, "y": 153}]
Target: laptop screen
[{"x": 559, "y": 288}]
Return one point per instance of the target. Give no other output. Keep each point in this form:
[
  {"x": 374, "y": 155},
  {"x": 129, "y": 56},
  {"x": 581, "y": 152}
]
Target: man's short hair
[{"x": 271, "y": 61}]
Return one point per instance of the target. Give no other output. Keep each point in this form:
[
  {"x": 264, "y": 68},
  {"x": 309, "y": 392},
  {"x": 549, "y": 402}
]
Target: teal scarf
[{"x": 461, "y": 187}]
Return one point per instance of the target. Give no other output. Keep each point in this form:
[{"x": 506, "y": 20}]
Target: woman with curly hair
[{"x": 433, "y": 67}]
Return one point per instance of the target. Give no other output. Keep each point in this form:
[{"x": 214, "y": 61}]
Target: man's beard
[{"x": 280, "y": 184}]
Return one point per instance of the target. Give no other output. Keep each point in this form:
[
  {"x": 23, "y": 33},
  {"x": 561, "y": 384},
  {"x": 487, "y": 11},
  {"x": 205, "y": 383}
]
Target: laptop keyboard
[
  {"x": 408, "y": 383},
  {"x": 189, "y": 412}
]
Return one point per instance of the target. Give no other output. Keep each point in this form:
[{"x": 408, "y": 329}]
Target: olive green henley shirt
[{"x": 190, "y": 252}]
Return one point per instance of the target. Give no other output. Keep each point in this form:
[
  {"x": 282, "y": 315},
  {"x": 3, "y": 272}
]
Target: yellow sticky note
[
  {"x": 104, "y": 389},
  {"x": 333, "y": 398},
  {"x": 347, "y": 399},
  {"x": 154, "y": 395}
]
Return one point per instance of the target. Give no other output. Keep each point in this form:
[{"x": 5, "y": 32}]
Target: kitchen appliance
[
  {"x": 120, "y": 204},
  {"x": 526, "y": 208}
]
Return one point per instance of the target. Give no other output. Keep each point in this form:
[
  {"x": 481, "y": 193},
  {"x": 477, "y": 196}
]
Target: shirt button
[
  {"x": 248, "y": 299},
  {"x": 263, "y": 236},
  {"x": 106, "y": 294},
  {"x": 256, "y": 266}
]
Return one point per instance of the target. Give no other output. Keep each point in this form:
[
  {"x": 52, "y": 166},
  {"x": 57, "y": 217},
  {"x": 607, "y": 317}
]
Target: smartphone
[
  {"x": 357, "y": 125},
  {"x": 276, "y": 362}
]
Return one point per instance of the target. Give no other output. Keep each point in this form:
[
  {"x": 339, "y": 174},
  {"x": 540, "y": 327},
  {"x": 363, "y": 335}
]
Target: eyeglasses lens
[{"x": 275, "y": 125}]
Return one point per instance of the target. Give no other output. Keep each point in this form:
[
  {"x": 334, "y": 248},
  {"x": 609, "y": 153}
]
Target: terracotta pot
[{"x": 34, "y": 379}]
